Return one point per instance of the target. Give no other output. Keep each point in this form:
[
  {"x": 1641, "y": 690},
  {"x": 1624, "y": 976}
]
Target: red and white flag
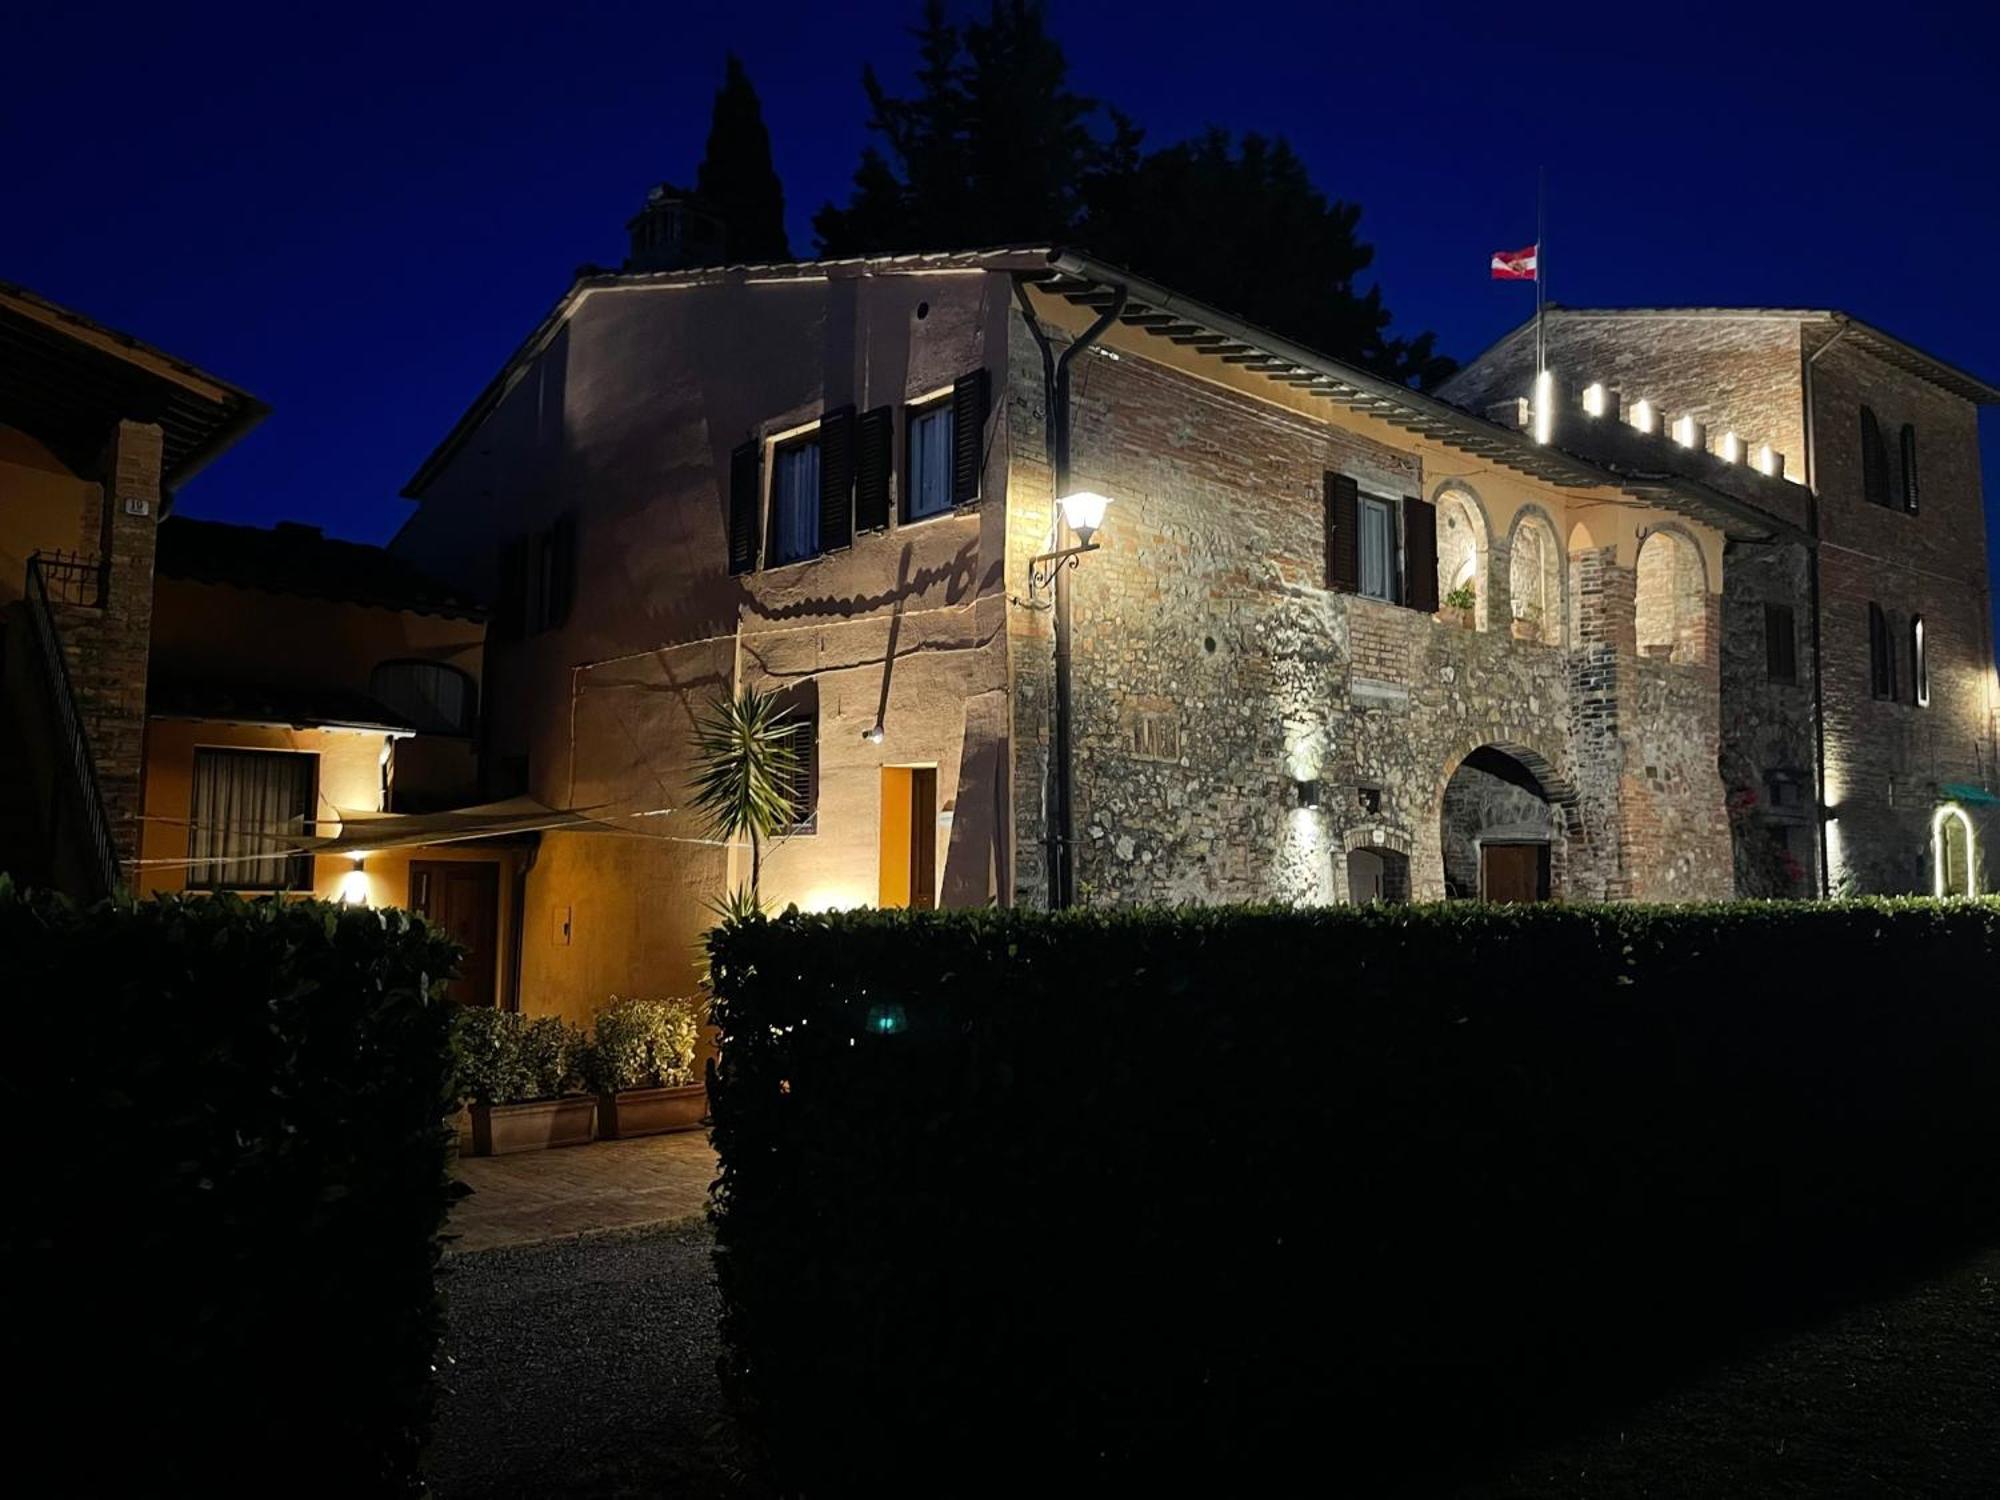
[{"x": 1515, "y": 265}]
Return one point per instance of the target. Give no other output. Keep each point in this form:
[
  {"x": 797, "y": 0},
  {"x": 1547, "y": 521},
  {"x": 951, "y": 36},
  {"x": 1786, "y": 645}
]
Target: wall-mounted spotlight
[{"x": 873, "y": 733}]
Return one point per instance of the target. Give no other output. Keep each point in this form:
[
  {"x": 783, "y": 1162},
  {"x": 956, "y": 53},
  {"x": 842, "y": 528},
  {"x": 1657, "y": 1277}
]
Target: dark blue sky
[{"x": 357, "y": 212}]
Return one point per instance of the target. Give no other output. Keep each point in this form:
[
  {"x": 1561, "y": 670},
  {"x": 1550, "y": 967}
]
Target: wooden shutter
[
  {"x": 1909, "y": 468},
  {"x": 510, "y": 601},
  {"x": 1874, "y": 460},
  {"x": 1781, "y": 645},
  {"x": 743, "y": 466},
  {"x": 1879, "y": 681},
  {"x": 1343, "y": 523},
  {"x": 874, "y": 462},
  {"x": 1420, "y": 555},
  {"x": 836, "y": 479},
  {"x": 560, "y": 591},
  {"x": 968, "y": 435}
]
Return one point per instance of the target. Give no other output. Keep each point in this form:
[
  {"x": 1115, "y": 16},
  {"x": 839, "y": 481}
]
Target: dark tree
[
  {"x": 994, "y": 148},
  {"x": 736, "y": 177}
]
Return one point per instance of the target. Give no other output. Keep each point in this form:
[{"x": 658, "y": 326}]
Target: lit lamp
[
  {"x": 354, "y": 885},
  {"x": 1084, "y": 511}
]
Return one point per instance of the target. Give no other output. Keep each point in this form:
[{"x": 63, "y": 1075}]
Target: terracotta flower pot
[
  {"x": 632, "y": 1112},
  {"x": 1527, "y": 630},
  {"x": 1462, "y": 618},
  {"x": 498, "y": 1129}
]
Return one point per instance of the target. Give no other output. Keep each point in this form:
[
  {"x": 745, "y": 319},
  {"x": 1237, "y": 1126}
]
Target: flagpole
[{"x": 1541, "y": 268}]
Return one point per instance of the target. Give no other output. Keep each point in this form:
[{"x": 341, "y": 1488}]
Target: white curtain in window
[
  {"x": 930, "y": 463},
  {"x": 795, "y": 526},
  {"x": 246, "y": 805}
]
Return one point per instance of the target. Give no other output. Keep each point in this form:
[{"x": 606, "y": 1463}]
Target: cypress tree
[{"x": 736, "y": 177}]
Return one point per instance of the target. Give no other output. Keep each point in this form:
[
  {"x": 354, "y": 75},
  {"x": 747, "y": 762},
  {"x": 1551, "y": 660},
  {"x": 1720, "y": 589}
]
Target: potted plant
[
  {"x": 1527, "y": 622},
  {"x": 1458, "y": 605},
  {"x": 641, "y": 1062},
  {"x": 522, "y": 1079}
]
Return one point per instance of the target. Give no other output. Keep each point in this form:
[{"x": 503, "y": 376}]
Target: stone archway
[
  {"x": 1504, "y": 821},
  {"x": 1377, "y": 866}
]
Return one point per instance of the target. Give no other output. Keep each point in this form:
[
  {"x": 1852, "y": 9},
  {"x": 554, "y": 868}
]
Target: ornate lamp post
[{"x": 1082, "y": 512}]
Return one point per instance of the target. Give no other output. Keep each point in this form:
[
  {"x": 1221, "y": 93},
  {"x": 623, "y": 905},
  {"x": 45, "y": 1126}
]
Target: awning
[{"x": 1953, "y": 791}]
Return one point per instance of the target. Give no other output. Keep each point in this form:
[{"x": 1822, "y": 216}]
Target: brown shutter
[
  {"x": 1420, "y": 555},
  {"x": 1874, "y": 460},
  {"x": 1343, "y": 553},
  {"x": 743, "y": 464},
  {"x": 874, "y": 462},
  {"x": 560, "y": 593},
  {"x": 1909, "y": 468},
  {"x": 836, "y": 479},
  {"x": 968, "y": 435}
]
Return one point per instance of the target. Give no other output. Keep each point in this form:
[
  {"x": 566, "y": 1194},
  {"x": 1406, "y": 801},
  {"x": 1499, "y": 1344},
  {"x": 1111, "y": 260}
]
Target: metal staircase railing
[{"x": 74, "y": 580}]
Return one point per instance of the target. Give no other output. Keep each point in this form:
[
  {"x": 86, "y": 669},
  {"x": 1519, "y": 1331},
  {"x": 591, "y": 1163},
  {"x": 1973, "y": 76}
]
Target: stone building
[
  {"x": 1335, "y": 640},
  {"x": 1858, "y": 686}
]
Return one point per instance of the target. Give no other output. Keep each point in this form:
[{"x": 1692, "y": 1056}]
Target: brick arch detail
[
  {"x": 1557, "y": 788},
  {"x": 1393, "y": 839}
]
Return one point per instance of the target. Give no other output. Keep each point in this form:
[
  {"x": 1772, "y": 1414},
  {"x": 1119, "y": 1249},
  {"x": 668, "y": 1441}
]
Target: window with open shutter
[
  {"x": 743, "y": 508},
  {"x": 1909, "y": 447},
  {"x": 1420, "y": 554},
  {"x": 1874, "y": 460},
  {"x": 1781, "y": 644},
  {"x": 1343, "y": 558},
  {"x": 1881, "y": 657},
  {"x": 874, "y": 462},
  {"x": 1920, "y": 666},
  {"x": 836, "y": 479},
  {"x": 969, "y": 398}
]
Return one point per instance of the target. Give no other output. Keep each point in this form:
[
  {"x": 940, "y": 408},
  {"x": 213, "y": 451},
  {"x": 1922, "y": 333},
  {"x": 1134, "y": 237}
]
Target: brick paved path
[{"x": 548, "y": 1195}]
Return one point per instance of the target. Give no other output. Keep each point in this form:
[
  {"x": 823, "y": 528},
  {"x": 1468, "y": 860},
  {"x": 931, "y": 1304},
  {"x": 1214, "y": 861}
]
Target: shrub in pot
[
  {"x": 522, "y": 1078},
  {"x": 641, "y": 1062}
]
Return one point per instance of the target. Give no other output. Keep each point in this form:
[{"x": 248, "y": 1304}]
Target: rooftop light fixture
[{"x": 1544, "y": 406}]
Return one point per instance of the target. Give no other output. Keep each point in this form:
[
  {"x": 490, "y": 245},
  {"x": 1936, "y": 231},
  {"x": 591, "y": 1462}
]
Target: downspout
[
  {"x": 1812, "y": 585},
  {"x": 1060, "y": 822}
]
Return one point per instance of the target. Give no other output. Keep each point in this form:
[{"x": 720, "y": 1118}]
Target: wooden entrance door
[
  {"x": 463, "y": 897},
  {"x": 1514, "y": 872},
  {"x": 908, "y": 862}
]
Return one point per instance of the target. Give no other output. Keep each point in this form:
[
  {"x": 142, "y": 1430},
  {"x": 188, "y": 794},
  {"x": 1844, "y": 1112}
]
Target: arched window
[
  {"x": 436, "y": 699},
  {"x": 1461, "y": 549},
  {"x": 1920, "y": 667},
  {"x": 1534, "y": 582},
  {"x": 1672, "y": 602},
  {"x": 1874, "y": 460},
  {"x": 1951, "y": 848},
  {"x": 1909, "y": 468}
]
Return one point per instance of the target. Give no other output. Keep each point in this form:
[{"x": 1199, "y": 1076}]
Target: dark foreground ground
[{"x": 587, "y": 1368}]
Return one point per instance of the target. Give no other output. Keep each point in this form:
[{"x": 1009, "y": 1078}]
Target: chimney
[{"x": 675, "y": 230}]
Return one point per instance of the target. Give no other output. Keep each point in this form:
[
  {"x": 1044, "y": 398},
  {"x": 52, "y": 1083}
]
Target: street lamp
[{"x": 1083, "y": 513}]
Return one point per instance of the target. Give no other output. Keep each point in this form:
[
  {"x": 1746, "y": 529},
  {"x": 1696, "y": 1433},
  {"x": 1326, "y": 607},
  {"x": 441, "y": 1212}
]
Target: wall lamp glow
[
  {"x": 354, "y": 885},
  {"x": 1689, "y": 433},
  {"x": 873, "y": 733},
  {"x": 1731, "y": 449},
  {"x": 1083, "y": 512},
  {"x": 1593, "y": 399},
  {"x": 1645, "y": 416}
]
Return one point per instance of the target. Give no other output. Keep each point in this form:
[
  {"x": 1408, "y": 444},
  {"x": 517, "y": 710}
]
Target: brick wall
[{"x": 1203, "y": 627}]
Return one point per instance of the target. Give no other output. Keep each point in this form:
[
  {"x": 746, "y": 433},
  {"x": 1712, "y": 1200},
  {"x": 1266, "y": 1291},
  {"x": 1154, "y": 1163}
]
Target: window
[
  {"x": 436, "y": 699},
  {"x": 927, "y": 488},
  {"x": 1881, "y": 655},
  {"x": 803, "y": 789},
  {"x": 1951, "y": 852},
  {"x": 1909, "y": 468},
  {"x": 1874, "y": 460},
  {"x": 795, "y": 502},
  {"x": 247, "y": 806},
  {"x": 1920, "y": 667},
  {"x": 1781, "y": 644},
  {"x": 1376, "y": 541},
  {"x": 537, "y": 581}
]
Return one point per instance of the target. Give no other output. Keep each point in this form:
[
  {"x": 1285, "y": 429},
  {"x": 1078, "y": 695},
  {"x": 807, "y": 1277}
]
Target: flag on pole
[{"x": 1516, "y": 265}]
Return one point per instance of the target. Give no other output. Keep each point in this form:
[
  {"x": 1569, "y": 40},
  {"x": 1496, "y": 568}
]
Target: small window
[
  {"x": 1786, "y": 790},
  {"x": 1920, "y": 667},
  {"x": 1881, "y": 654},
  {"x": 537, "y": 581},
  {"x": 1376, "y": 540},
  {"x": 247, "y": 809},
  {"x": 795, "y": 502},
  {"x": 1874, "y": 460},
  {"x": 803, "y": 791},
  {"x": 1951, "y": 852},
  {"x": 927, "y": 486},
  {"x": 436, "y": 699},
  {"x": 1781, "y": 644},
  {"x": 1909, "y": 468}
]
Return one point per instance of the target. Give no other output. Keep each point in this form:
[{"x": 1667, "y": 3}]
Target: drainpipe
[
  {"x": 1061, "y": 838},
  {"x": 1812, "y": 584}
]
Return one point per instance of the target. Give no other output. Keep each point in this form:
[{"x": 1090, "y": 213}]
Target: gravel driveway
[{"x": 584, "y": 1367}]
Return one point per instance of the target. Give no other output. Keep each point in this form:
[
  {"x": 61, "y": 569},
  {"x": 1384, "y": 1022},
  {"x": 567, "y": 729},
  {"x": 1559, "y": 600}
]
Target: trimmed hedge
[
  {"x": 226, "y": 1183},
  {"x": 1209, "y": 1194}
]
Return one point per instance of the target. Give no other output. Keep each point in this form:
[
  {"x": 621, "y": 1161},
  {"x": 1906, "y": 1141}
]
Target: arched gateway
[{"x": 1504, "y": 824}]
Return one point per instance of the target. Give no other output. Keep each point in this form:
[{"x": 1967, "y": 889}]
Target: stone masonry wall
[{"x": 1214, "y": 672}]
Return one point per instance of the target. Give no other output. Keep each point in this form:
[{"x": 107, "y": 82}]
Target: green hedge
[
  {"x": 1205, "y": 1194},
  {"x": 226, "y": 1182}
]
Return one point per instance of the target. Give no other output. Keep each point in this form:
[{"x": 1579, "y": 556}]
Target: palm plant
[{"x": 747, "y": 762}]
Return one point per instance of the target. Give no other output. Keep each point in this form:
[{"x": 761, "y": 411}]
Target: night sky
[{"x": 356, "y": 214}]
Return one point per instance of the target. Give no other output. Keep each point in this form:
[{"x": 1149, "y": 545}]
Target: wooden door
[
  {"x": 923, "y": 837},
  {"x": 463, "y": 897},
  {"x": 908, "y": 862},
  {"x": 1514, "y": 872}
]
